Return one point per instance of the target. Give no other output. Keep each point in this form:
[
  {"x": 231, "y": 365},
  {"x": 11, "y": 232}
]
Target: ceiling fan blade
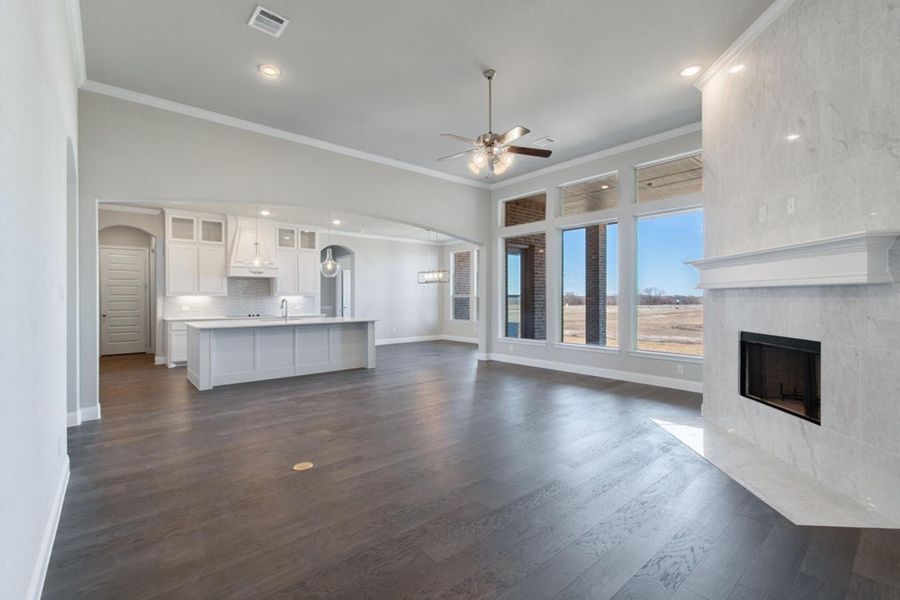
[
  {"x": 514, "y": 134},
  {"x": 458, "y": 137},
  {"x": 529, "y": 151},
  {"x": 456, "y": 155}
]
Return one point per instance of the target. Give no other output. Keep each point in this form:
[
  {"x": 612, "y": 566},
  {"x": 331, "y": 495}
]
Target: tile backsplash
[{"x": 245, "y": 295}]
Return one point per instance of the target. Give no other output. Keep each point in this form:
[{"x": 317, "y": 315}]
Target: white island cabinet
[{"x": 235, "y": 351}]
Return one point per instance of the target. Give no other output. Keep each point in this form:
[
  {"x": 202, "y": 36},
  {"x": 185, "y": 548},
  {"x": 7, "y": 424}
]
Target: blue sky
[{"x": 664, "y": 244}]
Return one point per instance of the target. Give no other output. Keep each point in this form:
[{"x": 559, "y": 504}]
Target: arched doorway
[{"x": 337, "y": 293}]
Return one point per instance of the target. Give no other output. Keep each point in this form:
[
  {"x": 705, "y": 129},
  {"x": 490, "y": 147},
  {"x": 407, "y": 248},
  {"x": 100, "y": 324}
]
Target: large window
[
  {"x": 462, "y": 284},
  {"x": 529, "y": 209},
  {"x": 590, "y": 285},
  {"x": 670, "y": 309},
  {"x": 525, "y": 296},
  {"x": 670, "y": 178},
  {"x": 594, "y": 194}
]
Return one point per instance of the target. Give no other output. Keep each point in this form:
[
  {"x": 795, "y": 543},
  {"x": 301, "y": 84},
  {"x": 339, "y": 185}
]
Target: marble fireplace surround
[{"x": 850, "y": 303}]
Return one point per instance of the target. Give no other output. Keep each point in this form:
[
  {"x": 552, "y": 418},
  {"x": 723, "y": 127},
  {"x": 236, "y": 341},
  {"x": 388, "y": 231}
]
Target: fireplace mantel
[{"x": 853, "y": 259}]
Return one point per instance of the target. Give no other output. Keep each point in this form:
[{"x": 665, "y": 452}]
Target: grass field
[{"x": 664, "y": 328}]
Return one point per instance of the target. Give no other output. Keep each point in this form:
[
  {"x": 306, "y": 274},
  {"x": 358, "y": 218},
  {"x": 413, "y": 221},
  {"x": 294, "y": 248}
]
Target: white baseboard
[
  {"x": 90, "y": 414},
  {"x": 459, "y": 338},
  {"x": 159, "y": 360},
  {"x": 668, "y": 382},
  {"x": 425, "y": 338},
  {"x": 39, "y": 571},
  {"x": 73, "y": 419},
  {"x": 407, "y": 340}
]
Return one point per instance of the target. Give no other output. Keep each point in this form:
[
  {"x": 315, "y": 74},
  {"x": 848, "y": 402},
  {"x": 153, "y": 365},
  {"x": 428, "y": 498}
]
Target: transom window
[
  {"x": 670, "y": 178},
  {"x": 587, "y": 196},
  {"x": 528, "y": 209}
]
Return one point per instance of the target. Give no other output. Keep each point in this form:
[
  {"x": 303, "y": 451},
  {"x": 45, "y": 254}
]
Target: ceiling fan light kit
[{"x": 493, "y": 150}]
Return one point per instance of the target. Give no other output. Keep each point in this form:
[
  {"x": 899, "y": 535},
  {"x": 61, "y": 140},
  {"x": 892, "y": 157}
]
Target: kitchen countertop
[
  {"x": 227, "y": 318},
  {"x": 272, "y": 322}
]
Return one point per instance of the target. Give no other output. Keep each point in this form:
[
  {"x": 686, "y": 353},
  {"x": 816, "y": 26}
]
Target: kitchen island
[{"x": 240, "y": 350}]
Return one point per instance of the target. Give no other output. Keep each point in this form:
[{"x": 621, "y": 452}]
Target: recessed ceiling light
[
  {"x": 792, "y": 137},
  {"x": 270, "y": 71},
  {"x": 265, "y": 213},
  {"x": 335, "y": 221},
  {"x": 736, "y": 69},
  {"x": 604, "y": 187},
  {"x": 690, "y": 71}
]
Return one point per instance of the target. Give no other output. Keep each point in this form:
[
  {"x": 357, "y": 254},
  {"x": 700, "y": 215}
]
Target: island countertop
[{"x": 273, "y": 322}]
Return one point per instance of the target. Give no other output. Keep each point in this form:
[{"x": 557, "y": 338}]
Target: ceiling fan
[{"x": 493, "y": 150}]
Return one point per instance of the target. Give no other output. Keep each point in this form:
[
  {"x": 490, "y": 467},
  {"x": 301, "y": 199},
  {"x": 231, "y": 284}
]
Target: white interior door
[
  {"x": 124, "y": 300},
  {"x": 346, "y": 293}
]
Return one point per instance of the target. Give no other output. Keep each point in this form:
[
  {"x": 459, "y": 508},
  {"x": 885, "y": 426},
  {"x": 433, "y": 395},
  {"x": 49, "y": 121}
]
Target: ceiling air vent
[
  {"x": 267, "y": 21},
  {"x": 544, "y": 142}
]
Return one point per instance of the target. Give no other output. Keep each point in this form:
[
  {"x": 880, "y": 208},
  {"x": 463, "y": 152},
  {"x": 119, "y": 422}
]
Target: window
[
  {"x": 671, "y": 178},
  {"x": 529, "y": 209},
  {"x": 525, "y": 287},
  {"x": 461, "y": 285},
  {"x": 591, "y": 195},
  {"x": 670, "y": 309},
  {"x": 590, "y": 285}
]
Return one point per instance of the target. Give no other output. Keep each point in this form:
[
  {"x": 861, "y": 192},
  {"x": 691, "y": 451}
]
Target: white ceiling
[
  {"x": 389, "y": 76},
  {"x": 304, "y": 215}
]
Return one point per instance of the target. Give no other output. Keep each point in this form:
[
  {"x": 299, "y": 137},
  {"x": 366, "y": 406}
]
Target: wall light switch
[
  {"x": 762, "y": 214},
  {"x": 791, "y": 206},
  {"x": 679, "y": 369}
]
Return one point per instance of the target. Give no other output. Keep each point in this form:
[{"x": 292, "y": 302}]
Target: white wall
[
  {"x": 622, "y": 363},
  {"x": 38, "y": 112},
  {"x": 828, "y": 72},
  {"x": 460, "y": 330},
  {"x": 131, "y": 151},
  {"x": 385, "y": 285}
]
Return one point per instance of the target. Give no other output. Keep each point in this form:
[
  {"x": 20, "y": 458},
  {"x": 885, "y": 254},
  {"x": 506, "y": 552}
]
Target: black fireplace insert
[{"x": 784, "y": 373}]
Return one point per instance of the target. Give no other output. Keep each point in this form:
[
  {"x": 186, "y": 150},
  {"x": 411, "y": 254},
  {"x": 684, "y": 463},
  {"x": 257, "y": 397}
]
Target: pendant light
[
  {"x": 434, "y": 275},
  {"x": 257, "y": 259},
  {"x": 329, "y": 267}
]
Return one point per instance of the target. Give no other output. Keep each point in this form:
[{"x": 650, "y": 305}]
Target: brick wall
[
  {"x": 595, "y": 285},
  {"x": 462, "y": 284},
  {"x": 525, "y": 210}
]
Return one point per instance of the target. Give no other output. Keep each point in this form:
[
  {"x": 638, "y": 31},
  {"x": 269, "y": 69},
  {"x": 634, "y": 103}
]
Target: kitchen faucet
[{"x": 284, "y": 308}]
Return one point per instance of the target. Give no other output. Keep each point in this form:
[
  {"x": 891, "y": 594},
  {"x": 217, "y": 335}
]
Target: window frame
[
  {"x": 562, "y": 229},
  {"x": 561, "y": 208},
  {"x": 472, "y": 295}
]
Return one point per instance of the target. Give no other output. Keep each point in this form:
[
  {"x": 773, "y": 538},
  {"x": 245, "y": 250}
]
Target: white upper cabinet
[
  {"x": 251, "y": 247},
  {"x": 298, "y": 261},
  {"x": 195, "y": 254}
]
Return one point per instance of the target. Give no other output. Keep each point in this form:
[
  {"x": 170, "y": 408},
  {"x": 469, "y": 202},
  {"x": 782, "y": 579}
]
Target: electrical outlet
[
  {"x": 791, "y": 206},
  {"x": 679, "y": 369},
  {"x": 762, "y": 214}
]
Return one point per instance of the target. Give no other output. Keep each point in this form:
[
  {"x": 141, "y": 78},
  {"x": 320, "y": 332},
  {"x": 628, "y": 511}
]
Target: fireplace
[{"x": 784, "y": 373}]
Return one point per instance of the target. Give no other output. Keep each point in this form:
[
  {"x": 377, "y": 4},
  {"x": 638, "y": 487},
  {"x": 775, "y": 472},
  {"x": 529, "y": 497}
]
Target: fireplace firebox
[{"x": 784, "y": 373}]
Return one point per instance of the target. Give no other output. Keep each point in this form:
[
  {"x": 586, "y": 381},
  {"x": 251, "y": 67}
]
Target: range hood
[{"x": 251, "y": 248}]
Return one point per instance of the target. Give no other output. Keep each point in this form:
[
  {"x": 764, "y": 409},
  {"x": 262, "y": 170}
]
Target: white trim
[
  {"x": 769, "y": 16},
  {"x": 630, "y": 376},
  {"x": 670, "y": 356},
  {"x": 103, "y": 205},
  {"x": 390, "y": 238},
  {"x": 854, "y": 259},
  {"x": 73, "y": 418},
  {"x": 159, "y": 360},
  {"x": 214, "y": 117},
  {"x": 39, "y": 571},
  {"x": 501, "y": 339},
  {"x": 586, "y": 348},
  {"x": 459, "y": 338},
  {"x": 76, "y": 38},
  {"x": 407, "y": 340},
  {"x": 653, "y": 139},
  {"x": 92, "y": 413}
]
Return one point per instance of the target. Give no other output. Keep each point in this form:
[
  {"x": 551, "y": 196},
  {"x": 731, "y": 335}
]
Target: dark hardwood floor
[{"x": 435, "y": 477}]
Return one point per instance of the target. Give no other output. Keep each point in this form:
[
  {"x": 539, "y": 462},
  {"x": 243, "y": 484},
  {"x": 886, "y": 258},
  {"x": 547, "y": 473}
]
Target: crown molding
[
  {"x": 387, "y": 238},
  {"x": 653, "y": 139},
  {"x": 73, "y": 14},
  {"x": 769, "y": 16},
  {"x": 214, "y": 117},
  {"x": 101, "y": 205}
]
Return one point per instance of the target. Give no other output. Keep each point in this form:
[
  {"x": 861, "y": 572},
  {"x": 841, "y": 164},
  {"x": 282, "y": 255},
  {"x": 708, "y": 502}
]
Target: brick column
[{"x": 595, "y": 285}]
